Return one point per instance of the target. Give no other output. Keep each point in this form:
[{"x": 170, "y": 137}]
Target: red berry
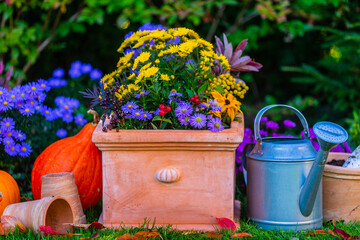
[
  {"x": 168, "y": 109},
  {"x": 162, "y": 113},
  {"x": 196, "y": 96},
  {"x": 192, "y": 99},
  {"x": 162, "y": 106},
  {"x": 197, "y": 101}
]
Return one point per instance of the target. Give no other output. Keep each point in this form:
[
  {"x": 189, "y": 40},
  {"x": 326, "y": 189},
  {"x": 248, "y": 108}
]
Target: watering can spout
[{"x": 328, "y": 135}]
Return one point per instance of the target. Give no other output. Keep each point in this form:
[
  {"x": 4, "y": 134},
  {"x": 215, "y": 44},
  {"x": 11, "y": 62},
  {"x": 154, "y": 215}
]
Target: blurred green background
[{"x": 309, "y": 49}]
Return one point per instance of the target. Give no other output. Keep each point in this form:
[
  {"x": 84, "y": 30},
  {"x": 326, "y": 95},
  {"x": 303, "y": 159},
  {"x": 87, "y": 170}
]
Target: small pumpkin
[
  {"x": 76, "y": 154},
  {"x": 9, "y": 191}
]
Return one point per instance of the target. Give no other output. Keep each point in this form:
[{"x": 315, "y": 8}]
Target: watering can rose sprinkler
[{"x": 283, "y": 175}]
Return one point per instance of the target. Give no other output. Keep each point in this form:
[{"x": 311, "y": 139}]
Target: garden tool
[{"x": 284, "y": 188}]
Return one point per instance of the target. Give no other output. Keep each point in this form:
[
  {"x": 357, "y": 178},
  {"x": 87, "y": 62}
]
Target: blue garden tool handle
[{"x": 262, "y": 111}]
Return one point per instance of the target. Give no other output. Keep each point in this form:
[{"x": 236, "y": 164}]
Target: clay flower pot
[
  {"x": 181, "y": 177},
  {"x": 341, "y": 191},
  {"x": 50, "y": 211},
  {"x": 63, "y": 185}
]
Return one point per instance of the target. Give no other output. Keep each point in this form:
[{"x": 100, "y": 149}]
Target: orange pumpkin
[
  {"x": 9, "y": 191},
  {"x": 77, "y": 154}
]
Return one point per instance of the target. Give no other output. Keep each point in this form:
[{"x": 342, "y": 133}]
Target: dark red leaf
[
  {"x": 240, "y": 235},
  {"x": 341, "y": 233},
  {"x": 320, "y": 232},
  {"x": 213, "y": 235},
  {"x": 226, "y": 223},
  {"x": 96, "y": 225},
  {"x": 48, "y": 230}
]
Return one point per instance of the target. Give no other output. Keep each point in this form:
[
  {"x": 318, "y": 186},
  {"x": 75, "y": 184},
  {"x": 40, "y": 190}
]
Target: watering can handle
[{"x": 262, "y": 111}]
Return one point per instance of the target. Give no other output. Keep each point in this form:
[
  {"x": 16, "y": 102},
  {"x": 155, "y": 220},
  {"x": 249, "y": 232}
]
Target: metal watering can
[{"x": 284, "y": 187}]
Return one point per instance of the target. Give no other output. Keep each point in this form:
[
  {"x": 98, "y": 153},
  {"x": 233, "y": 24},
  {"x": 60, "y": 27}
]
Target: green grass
[{"x": 170, "y": 233}]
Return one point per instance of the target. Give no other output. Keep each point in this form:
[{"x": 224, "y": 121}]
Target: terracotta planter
[
  {"x": 341, "y": 191},
  {"x": 55, "y": 212},
  {"x": 179, "y": 177},
  {"x": 63, "y": 185}
]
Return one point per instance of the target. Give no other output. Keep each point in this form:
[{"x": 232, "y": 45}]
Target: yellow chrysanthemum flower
[
  {"x": 164, "y": 77},
  {"x": 143, "y": 57}
]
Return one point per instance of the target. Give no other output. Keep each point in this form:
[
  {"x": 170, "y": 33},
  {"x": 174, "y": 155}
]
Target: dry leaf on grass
[
  {"x": 241, "y": 235},
  {"x": 320, "y": 232},
  {"x": 48, "y": 230},
  {"x": 95, "y": 235},
  {"x": 9, "y": 223},
  {"x": 140, "y": 235},
  {"x": 2, "y": 230},
  {"x": 127, "y": 236},
  {"x": 213, "y": 235},
  {"x": 226, "y": 223},
  {"x": 344, "y": 235}
]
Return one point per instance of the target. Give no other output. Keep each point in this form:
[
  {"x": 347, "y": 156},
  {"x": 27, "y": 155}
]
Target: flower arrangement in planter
[{"x": 168, "y": 83}]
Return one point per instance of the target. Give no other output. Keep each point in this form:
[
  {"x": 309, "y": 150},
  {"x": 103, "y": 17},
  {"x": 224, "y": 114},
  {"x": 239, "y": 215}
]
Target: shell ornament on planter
[{"x": 167, "y": 175}]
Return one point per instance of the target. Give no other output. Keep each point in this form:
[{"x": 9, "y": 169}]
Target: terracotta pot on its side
[
  {"x": 341, "y": 191},
  {"x": 55, "y": 212}
]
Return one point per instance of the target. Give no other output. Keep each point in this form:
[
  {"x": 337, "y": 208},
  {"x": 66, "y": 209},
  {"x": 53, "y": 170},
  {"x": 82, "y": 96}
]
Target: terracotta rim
[
  {"x": 338, "y": 169},
  {"x": 54, "y": 175}
]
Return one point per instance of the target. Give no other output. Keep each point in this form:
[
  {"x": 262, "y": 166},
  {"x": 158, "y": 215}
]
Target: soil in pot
[{"x": 336, "y": 162}]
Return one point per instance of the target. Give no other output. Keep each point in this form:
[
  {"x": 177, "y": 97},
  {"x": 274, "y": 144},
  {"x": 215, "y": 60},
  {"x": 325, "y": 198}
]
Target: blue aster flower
[
  {"x": 58, "y": 73},
  {"x": 95, "y": 74},
  {"x": 5, "y": 104},
  {"x": 3, "y": 92},
  {"x": 75, "y": 72},
  {"x": 175, "y": 41},
  {"x": 146, "y": 116},
  {"x": 19, "y": 135},
  {"x": 183, "y": 109},
  {"x": 24, "y": 150},
  {"x": 67, "y": 117},
  {"x": 41, "y": 97},
  {"x": 20, "y": 93},
  {"x": 47, "y": 113},
  {"x": 56, "y": 82},
  {"x": 215, "y": 125},
  {"x": 27, "y": 110},
  {"x": 76, "y": 65},
  {"x": 79, "y": 119},
  {"x": 129, "y": 107},
  {"x": 33, "y": 88},
  {"x": 215, "y": 106},
  {"x": 8, "y": 141},
  {"x": 198, "y": 120},
  {"x": 141, "y": 93},
  {"x": 12, "y": 150},
  {"x": 7, "y": 124},
  {"x": 61, "y": 133},
  {"x": 86, "y": 68},
  {"x": 137, "y": 114},
  {"x": 129, "y": 34},
  {"x": 44, "y": 85},
  {"x": 156, "y": 112}
]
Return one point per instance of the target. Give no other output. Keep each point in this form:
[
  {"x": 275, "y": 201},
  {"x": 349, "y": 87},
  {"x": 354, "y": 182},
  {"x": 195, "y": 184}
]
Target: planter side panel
[{"x": 204, "y": 191}]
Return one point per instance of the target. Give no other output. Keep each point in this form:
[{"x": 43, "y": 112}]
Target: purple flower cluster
[
  {"x": 12, "y": 139},
  {"x": 133, "y": 111}
]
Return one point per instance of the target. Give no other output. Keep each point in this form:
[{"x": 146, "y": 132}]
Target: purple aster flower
[
  {"x": 175, "y": 41},
  {"x": 12, "y": 150},
  {"x": 347, "y": 147},
  {"x": 41, "y": 97},
  {"x": 156, "y": 112},
  {"x": 20, "y": 93},
  {"x": 5, "y": 104},
  {"x": 183, "y": 110},
  {"x": 8, "y": 141},
  {"x": 146, "y": 116},
  {"x": 7, "y": 124},
  {"x": 57, "y": 113},
  {"x": 337, "y": 148},
  {"x": 27, "y": 110},
  {"x": 175, "y": 94},
  {"x": 67, "y": 117},
  {"x": 202, "y": 105},
  {"x": 289, "y": 124},
  {"x": 76, "y": 65},
  {"x": 137, "y": 114},
  {"x": 44, "y": 85},
  {"x": 184, "y": 121},
  {"x": 47, "y": 113},
  {"x": 272, "y": 125},
  {"x": 264, "y": 120},
  {"x": 311, "y": 134},
  {"x": 86, "y": 68},
  {"x": 215, "y": 106},
  {"x": 315, "y": 145},
  {"x": 198, "y": 120},
  {"x": 56, "y": 82},
  {"x": 33, "y": 88},
  {"x": 19, "y": 135},
  {"x": 190, "y": 64},
  {"x": 61, "y": 133},
  {"x": 215, "y": 125},
  {"x": 75, "y": 72},
  {"x": 142, "y": 93},
  {"x": 129, "y": 107},
  {"x": 79, "y": 119},
  {"x": 24, "y": 150},
  {"x": 3, "y": 92},
  {"x": 263, "y": 133},
  {"x": 95, "y": 74},
  {"x": 129, "y": 34},
  {"x": 60, "y": 101},
  {"x": 58, "y": 73}
]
